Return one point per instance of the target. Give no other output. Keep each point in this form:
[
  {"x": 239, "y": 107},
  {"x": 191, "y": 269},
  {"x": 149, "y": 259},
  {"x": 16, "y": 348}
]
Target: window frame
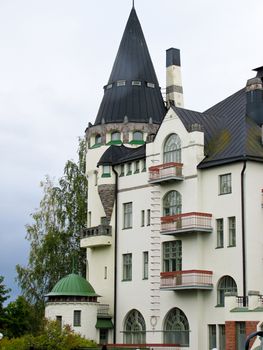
[
  {"x": 231, "y": 231},
  {"x": 220, "y": 233},
  {"x": 225, "y": 184},
  {"x": 172, "y": 256},
  {"x": 76, "y": 318},
  {"x": 172, "y": 203},
  {"x": 127, "y": 215},
  {"x": 225, "y": 284},
  {"x": 127, "y": 267},
  {"x": 145, "y": 275},
  {"x": 172, "y": 149}
]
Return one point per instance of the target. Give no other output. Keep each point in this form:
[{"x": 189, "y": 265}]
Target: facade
[{"x": 174, "y": 235}]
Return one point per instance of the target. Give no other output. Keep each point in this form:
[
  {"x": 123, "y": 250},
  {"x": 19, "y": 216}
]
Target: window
[
  {"x": 142, "y": 218},
  {"x": 127, "y": 267},
  {"x": 144, "y": 165},
  {"x": 136, "y": 82},
  {"x": 176, "y": 328},
  {"x": 240, "y": 335},
  {"x": 138, "y": 136},
  {"x": 115, "y": 136},
  {"x": 134, "y": 328},
  {"x": 172, "y": 203},
  {"x": 150, "y": 85},
  {"x": 106, "y": 170},
  {"x": 59, "y": 321},
  {"x": 127, "y": 215},
  {"x": 172, "y": 256},
  {"x": 109, "y": 86},
  {"x": 232, "y": 231},
  {"x": 137, "y": 167},
  {"x": 148, "y": 217},
  {"x": 222, "y": 337},
  {"x": 225, "y": 284},
  {"x": 103, "y": 336},
  {"x": 172, "y": 149},
  {"x": 122, "y": 170},
  {"x": 212, "y": 336},
  {"x": 105, "y": 272},
  {"x": 225, "y": 184},
  {"x": 220, "y": 233},
  {"x": 98, "y": 139},
  {"x": 129, "y": 169},
  {"x": 121, "y": 83},
  {"x": 77, "y": 318},
  {"x": 145, "y": 265}
]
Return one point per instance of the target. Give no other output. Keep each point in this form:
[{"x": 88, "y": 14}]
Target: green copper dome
[{"x": 73, "y": 285}]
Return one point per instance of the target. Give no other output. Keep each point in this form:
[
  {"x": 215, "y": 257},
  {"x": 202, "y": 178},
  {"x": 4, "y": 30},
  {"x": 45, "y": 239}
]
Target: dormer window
[
  {"x": 150, "y": 85},
  {"x": 115, "y": 136},
  {"x": 121, "y": 83},
  {"x": 106, "y": 170},
  {"x": 137, "y": 138},
  {"x": 109, "y": 86},
  {"x": 98, "y": 139},
  {"x": 136, "y": 83}
]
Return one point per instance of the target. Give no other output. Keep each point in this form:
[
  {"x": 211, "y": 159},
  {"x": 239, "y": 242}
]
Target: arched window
[
  {"x": 172, "y": 149},
  {"x": 134, "y": 328},
  {"x": 225, "y": 284},
  {"x": 172, "y": 203},
  {"x": 176, "y": 328},
  {"x": 97, "y": 139},
  {"x": 115, "y": 136},
  {"x": 138, "y": 136}
]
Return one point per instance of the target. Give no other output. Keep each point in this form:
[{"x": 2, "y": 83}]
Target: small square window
[
  {"x": 150, "y": 85},
  {"x": 106, "y": 171},
  {"x": 121, "y": 83},
  {"x": 136, "y": 83},
  {"x": 225, "y": 185}
]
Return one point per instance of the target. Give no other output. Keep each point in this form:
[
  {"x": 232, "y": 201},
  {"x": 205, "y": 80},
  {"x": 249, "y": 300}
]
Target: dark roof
[
  {"x": 230, "y": 135},
  {"x": 132, "y": 63},
  {"x": 115, "y": 155}
]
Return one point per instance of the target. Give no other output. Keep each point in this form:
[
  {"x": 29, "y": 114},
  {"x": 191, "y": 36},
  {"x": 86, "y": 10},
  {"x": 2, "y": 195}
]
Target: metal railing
[
  {"x": 165, "y": 171},
  {"x": 186, "y": 221},
  {"x": 187, "y": 278}
]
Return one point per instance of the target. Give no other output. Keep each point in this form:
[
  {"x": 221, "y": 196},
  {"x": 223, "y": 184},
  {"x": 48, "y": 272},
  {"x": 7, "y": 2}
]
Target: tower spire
[{"x": 133, "y": 4}]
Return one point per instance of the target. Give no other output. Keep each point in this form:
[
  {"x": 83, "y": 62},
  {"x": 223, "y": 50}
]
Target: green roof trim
[
  {"x": 104, "y": 323},
  {"x": 137, "y": 142},
  {"x": 73, "y": 285},
  {"x": 114, "y": 142},
  {"x": 96, "y": 145}
]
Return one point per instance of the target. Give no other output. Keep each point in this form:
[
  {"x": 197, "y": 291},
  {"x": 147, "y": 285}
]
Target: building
[{"x": 174, "y": 236}]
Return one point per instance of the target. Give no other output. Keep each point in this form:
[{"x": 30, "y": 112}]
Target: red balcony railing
[
  {"x": 166, "y": 172},
  {"x": 187, "y": 279},
  {"x": 186, "y": 222}
]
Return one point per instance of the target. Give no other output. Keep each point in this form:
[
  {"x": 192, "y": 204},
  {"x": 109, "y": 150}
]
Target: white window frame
[
  {"x": 127, "y": 215},
  {"x": 127, "y": 267}
]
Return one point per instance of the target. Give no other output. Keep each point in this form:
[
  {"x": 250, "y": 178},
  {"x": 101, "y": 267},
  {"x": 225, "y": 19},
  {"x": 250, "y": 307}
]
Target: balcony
[
  {"x": 98, "y": 236},
  {"x": 186, "y": 222},
  {"x": 188, "y": 279},
  {"x": 165, "y": 173}
]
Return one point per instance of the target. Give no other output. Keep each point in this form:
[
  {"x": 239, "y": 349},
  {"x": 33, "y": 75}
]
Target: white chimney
[{"x": 174, "y": 89}]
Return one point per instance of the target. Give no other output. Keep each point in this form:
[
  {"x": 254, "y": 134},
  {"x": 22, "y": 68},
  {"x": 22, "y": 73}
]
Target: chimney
[
  {"x": 174, "y": 89},
  {"x": 254, "y": 94}
]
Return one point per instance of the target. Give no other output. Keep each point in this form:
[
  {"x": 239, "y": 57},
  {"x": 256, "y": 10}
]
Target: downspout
[
  {"x": 243, "y": 233},
  {"x": 115, "y": 255}
]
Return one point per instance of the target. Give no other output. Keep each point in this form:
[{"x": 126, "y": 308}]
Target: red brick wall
[
  {"x": 230, "y": 331},
  {"x": 251, "y": 326}
]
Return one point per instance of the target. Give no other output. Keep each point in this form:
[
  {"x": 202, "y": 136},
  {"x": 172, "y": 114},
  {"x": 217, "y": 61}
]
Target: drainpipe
[
  {"x": 243, "y": 232},
  {"x": 115, "y": 255}
]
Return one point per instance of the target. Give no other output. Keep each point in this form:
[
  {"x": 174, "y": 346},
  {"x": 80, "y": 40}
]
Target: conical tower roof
[{"x": 133, "y": 90}]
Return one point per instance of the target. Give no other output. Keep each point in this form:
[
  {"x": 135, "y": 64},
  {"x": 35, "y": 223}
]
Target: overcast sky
[{"x": 55, "y": 57}]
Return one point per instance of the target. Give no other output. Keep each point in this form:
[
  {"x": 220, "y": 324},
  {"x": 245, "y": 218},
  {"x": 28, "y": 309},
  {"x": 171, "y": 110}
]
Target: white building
[{"x": 174, "y": 237}]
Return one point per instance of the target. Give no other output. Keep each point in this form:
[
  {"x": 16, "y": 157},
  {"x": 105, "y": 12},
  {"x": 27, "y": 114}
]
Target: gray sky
[{"x": 55, "y": 57}]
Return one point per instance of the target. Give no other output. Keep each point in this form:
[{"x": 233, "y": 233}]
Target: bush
[{"x": 52, "y": 338}]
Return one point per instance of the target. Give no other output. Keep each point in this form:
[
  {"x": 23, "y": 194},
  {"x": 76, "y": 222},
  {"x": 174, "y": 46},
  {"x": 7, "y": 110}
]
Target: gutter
[
  {"x": 243, "y": 232},
  {"x": 115, "y": 255}
]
